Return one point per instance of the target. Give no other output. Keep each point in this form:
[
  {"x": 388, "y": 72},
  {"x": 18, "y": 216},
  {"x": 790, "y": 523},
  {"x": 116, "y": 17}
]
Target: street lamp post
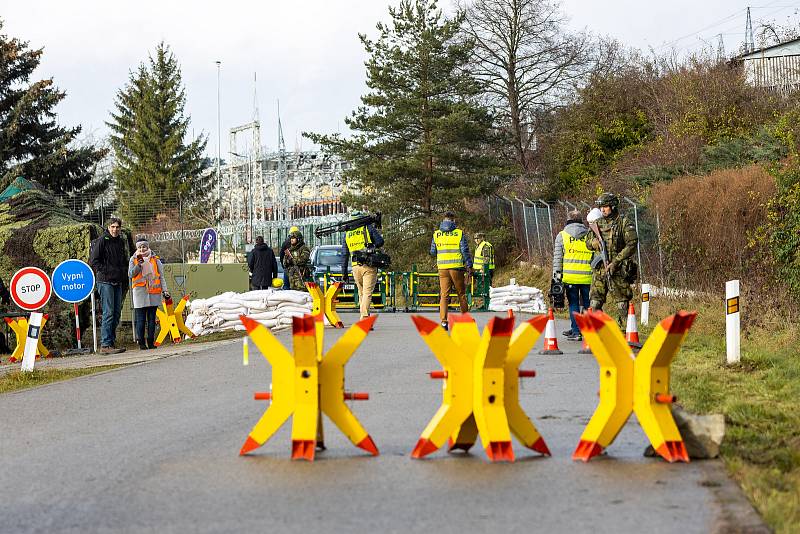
[{"x": 219, "y": 146}]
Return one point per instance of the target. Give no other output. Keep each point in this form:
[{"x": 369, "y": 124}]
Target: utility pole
[
  {"x": 281, "y": 189},
  {"x": 721, "y": 50},
  {"x": 749, "y": 42}
]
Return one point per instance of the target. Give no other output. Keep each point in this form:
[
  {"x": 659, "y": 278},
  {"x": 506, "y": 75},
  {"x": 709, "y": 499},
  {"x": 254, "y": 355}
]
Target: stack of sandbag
[
  {"x": 272, "y": 308},
  {"x": 517, "y": 298}
]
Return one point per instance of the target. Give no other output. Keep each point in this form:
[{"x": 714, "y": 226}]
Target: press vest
[
  {"x": 478, "y": 261},
  {"x": 357, "y": 239},
  {"x": 577, "y": 261},
  {"x": 448, "y": 252},
  {"x": 155, "y": 284}
]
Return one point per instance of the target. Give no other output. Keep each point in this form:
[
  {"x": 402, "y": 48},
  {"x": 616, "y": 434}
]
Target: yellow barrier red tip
[
  {"x": 541, "y": 447},
  {"x": 249, "y": 324},
  {"x": 303, "y": 449},
  {"x": 538, "y": 323},
  {"x": 368, "y": 445},
  {"x": 303, "y": 326},
  {"x": 460, "y": 318},
  {"x": 424, "y": 447},
  {"x": 424, "y": 326},
  {"x": 679, "y": 323},
  {"x": 501, "y": 326},
  {"x": 587, "y": 450},
  {"x": 499, "y": 451},
  {"x": 248, "y": 446},
  {"x": 366, "y": 323},
  {"x": 673, "y": 451}
]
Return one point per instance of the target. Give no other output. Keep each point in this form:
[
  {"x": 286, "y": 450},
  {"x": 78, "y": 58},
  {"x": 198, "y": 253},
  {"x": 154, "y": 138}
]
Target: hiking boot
[
  {"x": 576, "y": 337},
  {"x": 110, "y": 350},
  {"x": 567, "y": 333},
  {"x": 142, "y": 346},
  {"x": 444, "y": 325}
]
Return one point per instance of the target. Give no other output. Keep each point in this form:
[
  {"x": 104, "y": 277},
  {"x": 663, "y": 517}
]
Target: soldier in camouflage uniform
[
  {"x": 297, "y": 262},
  {"x": 619, "y": 236}
]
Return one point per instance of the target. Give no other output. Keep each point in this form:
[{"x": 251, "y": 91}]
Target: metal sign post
[
  {"x": 31, "y": 290},
  {"x": 73, "y": 282}
]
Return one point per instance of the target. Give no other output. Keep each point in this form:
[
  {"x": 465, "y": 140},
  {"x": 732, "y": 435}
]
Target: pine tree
[
  {"x": 421, "y": 140},
  {"x": 32, "y": 144},
  {"x": 154, "y": 163}
]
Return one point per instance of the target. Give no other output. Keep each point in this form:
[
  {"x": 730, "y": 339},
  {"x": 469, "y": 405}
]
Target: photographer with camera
[
  {"x": 362, "y": 243},
  {"x": 572, "y": 266}
]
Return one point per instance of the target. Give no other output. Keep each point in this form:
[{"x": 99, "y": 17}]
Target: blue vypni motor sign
[{"x": 73, "y": 281}]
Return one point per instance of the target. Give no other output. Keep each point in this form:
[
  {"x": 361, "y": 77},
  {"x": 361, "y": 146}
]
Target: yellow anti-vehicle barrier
[
  {"x": 305, "y": 385},
  {"x": 20, "y": 328},
  {"x": 170, "y": 321},
  {"x": 628, "y": 385},
  {"x": 325, "y": 303},
  {"x": 481, "y": 395}
]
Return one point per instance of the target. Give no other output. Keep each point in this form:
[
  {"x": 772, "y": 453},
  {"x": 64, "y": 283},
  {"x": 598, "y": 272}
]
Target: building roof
[{"x": 762, "y": 51}]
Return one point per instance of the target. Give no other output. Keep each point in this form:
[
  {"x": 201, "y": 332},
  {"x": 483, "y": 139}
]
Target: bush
[{"x": 708, "y": 225}]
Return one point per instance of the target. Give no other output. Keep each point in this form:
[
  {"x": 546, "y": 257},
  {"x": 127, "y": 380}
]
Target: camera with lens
[
  {"x": 556, "y": 294},
  {"x": 372, "y": 258}
]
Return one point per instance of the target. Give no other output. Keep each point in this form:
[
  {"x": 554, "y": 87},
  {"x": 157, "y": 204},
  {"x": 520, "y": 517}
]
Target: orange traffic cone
[
  {"x": 631, "y": 333},
  {"x": 550, "y": 340}
]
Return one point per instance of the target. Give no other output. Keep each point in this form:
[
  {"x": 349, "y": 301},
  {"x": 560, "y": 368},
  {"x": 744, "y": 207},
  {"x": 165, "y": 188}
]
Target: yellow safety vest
[
  {"x": 577, "y": 261},
  {"x": 357, "y": 239},
  {"x": 155, "y": 285},
  {"x": 448, "y": 252},
  {"x": 478, "y": 261}
]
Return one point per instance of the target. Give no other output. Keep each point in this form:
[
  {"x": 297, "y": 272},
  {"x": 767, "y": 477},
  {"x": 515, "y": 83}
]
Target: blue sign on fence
[
  {"x": 73, "y": 281},
  {"x": 207, "y": 244}
]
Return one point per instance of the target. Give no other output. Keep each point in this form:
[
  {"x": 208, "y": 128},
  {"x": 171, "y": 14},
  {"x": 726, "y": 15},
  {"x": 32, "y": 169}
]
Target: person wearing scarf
[{"x": 147, "y": 280}]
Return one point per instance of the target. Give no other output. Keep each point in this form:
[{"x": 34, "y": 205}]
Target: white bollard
[
  {"x": 31, "y": 341},
  {"x": 732, "y": 325},
  {"x": 645, "y": 313}
]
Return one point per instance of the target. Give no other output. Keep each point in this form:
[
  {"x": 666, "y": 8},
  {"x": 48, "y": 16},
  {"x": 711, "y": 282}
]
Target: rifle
[{"x": 594, "y": 215}]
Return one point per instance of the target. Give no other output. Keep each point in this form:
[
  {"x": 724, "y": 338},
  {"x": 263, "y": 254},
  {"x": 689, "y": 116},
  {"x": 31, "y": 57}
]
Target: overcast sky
[{"x": 305, "y": 53}]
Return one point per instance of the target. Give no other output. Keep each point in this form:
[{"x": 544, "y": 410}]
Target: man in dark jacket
[
  {"x": 262, "y": 264},
  {"x": 109, "y": 259}
]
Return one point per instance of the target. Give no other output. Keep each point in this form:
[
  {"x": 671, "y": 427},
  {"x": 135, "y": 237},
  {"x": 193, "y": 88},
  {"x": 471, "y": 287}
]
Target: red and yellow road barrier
[
  {"x": 170, "y": 321},
  {"x": 305, "y": 385},
  {"x": 481, "y": 395},
  {"x": 640, "y": 386},
  {"x": 20, "y": 328},
  {"x": 324, "y": 304}
]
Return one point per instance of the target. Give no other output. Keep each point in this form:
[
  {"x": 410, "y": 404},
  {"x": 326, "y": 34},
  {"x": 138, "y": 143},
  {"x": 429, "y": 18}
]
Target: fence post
[
  {"x": 660, "y": 255},
  {"x": 550, "y": 220},
  {"x": 525, "y": 222},
  {"x": 638, "y": 239},
  {"x": 538, "y": 235}
]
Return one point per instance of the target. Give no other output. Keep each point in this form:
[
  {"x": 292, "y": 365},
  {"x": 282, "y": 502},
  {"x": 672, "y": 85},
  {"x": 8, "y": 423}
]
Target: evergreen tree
[
  {"x": 421, "y": 140},
  {"x": 32, "y": 144},
  {"x": 154, "y": 163}
]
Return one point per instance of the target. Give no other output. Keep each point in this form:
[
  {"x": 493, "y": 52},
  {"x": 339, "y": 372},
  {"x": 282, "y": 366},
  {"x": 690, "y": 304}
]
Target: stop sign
[{"x": 30, "y": 288}]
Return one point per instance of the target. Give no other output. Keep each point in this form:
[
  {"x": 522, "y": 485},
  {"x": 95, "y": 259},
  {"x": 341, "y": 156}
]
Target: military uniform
[
  {"x": 619, "y": 236},
  {"x": 297, "y": 263}
]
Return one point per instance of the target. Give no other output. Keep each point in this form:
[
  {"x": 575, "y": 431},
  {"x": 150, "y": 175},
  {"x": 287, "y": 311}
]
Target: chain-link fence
[
  {"x": 537, "y": 222},
  {"x": 174, "y": 223}
]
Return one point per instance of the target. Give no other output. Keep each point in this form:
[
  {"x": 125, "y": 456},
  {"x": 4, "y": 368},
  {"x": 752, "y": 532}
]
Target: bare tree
[{"x": 527, "y": 59}]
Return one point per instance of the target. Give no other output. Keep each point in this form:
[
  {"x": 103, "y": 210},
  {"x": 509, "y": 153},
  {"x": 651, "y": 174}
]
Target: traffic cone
[
  {"x": 631, "y": 333},
  {"x": 550, "y": 340}
]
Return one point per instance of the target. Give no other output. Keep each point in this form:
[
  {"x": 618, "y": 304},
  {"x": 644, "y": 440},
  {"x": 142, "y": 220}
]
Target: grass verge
[
  {"x": 16, "y": 380},
  {"x": 760, "y": 398}
]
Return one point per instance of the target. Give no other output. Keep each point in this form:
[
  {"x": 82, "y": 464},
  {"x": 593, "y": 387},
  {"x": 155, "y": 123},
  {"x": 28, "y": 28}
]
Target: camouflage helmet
[
  {"x": 607, "y": 199},
  {"x": 480, "y": 235}
]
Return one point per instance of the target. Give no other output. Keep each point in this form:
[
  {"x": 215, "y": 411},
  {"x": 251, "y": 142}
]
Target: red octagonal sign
[{"x": 30, "y": 288}]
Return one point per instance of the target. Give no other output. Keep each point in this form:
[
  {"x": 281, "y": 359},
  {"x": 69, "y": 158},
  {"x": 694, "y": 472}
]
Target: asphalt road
[{"x": 154, "y": 447}]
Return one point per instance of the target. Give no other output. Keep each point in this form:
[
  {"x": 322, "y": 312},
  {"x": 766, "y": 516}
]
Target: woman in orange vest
[{"x": 148, "y": 285}]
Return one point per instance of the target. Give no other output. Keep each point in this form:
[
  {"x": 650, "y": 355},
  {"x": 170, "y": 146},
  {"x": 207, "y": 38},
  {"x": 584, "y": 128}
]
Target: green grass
[
  {"x": 16, "y": 380},
  {"x": 760, "y": 398}
]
